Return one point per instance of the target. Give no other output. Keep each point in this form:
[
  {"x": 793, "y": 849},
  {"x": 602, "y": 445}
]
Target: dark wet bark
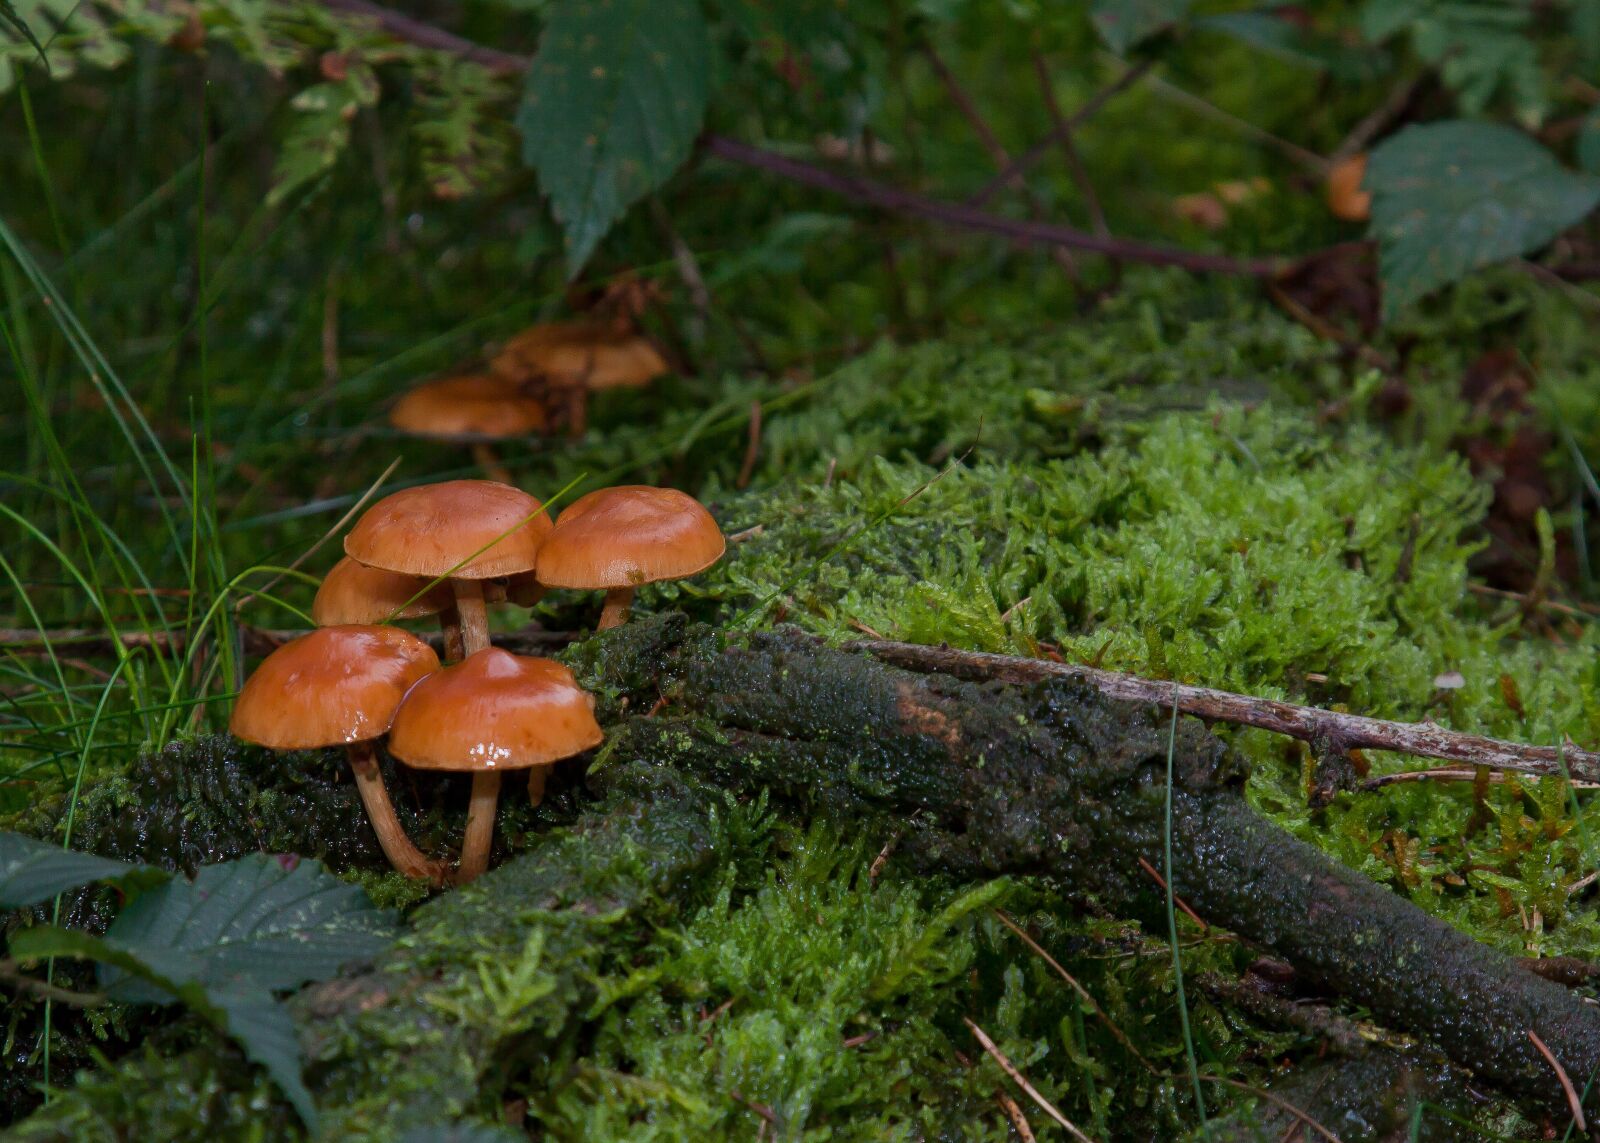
[
  {"x": 1054, "y": 779},
  {"x": 976, "y": 779}
]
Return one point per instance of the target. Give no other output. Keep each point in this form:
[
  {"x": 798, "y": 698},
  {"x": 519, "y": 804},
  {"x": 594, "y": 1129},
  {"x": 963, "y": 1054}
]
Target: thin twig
[
  {"x": 1377, "y": 121},
  {"x": 1161, "y": 882},
  {"x": 752, "y": 450},
  {"x": 1348, "y": 731},
  {"x": 1031, "y": 158},
  {"x": 1069, "y": 149},
  {"x": 1278, "y": 1102},
  {"x": 884, "y": 197},
  {"x": 1083, "y": 992},
  {"x": 256, "y": 640},
  {"x": 403, "y": 27},
  {"x": 13, "y": 975},
  {"x": 991, "y": 143},
  {"x": 1573, "y": 1101},
  {"x": 1021, "y": 1081},
  {"x": 1014, "y": 1113},
  {"x": 1309, "y": 160}
]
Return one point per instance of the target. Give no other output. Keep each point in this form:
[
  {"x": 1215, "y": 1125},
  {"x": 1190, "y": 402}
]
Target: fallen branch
[{"x": 1307, "y": 723}]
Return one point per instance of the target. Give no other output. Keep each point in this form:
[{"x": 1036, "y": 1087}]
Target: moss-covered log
[
  {"x": 495, "y": 981},
  {"x": 1057, "y": 780}
]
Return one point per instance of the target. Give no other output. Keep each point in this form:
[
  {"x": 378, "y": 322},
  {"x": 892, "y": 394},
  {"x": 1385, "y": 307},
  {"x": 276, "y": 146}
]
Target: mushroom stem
[
  {"x": 397, "y": 847},
  {"x": 489, "y": 460},
  {"x": 480, "y": 825},
  {"x": 536, "y": 777},
  {"x": 474, "y": 618},
  {"x": 619, "y": 601},
  {"x": 450, "y": 628}
]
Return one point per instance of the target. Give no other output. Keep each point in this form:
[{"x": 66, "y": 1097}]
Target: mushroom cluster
[
  {"x": 448, "y": 550},
  {"x": 539, "y": 380}
]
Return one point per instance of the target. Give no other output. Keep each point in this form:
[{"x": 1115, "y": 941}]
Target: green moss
[{"x": 1154, "y": 490}]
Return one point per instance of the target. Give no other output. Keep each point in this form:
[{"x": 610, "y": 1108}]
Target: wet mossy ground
[{"x": 1184, "y": 485}]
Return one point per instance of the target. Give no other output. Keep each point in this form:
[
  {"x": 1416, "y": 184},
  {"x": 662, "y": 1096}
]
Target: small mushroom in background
[
  {"x": 341, "y": 686},
  {"x": 1346, "y": 199},
  {"x": 463, "y": 531},
  {"x": 493, "y": 712},
  {"x": 354, "y": 593},
  {"x": 477, "y": 409},
  {"x": 570, "y": 360},
  {"x": 617, "y": 539}
]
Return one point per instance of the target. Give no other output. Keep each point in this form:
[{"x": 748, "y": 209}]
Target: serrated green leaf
[
  {"x": 1451, "y": 197},
  {"x": 614, "y": 100},
  {"x": 32, "y": 871},
  {"x": 259, "y": 1024},
  {"x": 1124, "y": 23},
  {"x": 254, "y": 921},
  {"x": 320, "y": 130}
]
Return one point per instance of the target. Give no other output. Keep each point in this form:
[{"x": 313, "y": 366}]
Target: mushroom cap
[
  {"x": 477, "y": 406},
  {"x": 1346, "y": 199},
  {"x": 629, "y": 535},
  {"x": 430, "y": 529},
  {"x": 335, "y": 686},
  {"x": 495, "y": 711},
  {"x": 601, "y": 358},
  {"x": 354, "y": 593}
]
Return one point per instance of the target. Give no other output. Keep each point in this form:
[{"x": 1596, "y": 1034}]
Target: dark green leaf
[
  {"x": 1589, "y": 143},
  {"x": 614, "y": 100},
  {"x": 255, "y": 921},
  {"x": 1124, "y": 23},
  {"x": 1451, "y": 197},
  {"x": 32, "y": 870},
  {"x": 1270, "y": 33},
  {"x": 259, "y": 1024}
]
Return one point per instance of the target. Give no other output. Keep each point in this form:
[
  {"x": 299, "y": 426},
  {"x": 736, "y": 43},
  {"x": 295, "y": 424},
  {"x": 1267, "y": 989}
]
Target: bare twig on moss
[
  {"x": 1084, "y": 993},
  {"x": 1347, "y": 731},
  {"x": 1021, "y": 1081},
  {"x": 1573, "y": 1101}
]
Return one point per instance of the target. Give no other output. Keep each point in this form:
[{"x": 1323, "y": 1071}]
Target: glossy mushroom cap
[
  {"x": 629, "y": 535},
  {"x": 480, "y": 406},
  {"x": 601, "y": 358},
  {"x": 355, "y": 593},
  {"x": 335, "y": 686},
  {"x": 495, "y": 711},
  {"x": 430, "y": 529},
  {"x": 1346, "y": 199}
]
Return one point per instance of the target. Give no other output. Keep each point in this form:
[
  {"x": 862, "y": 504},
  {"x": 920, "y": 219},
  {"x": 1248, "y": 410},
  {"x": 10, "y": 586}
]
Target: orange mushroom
[
  {"x": 465, "y": 531},
  {"x": 354, "y": 593},
  {"x": 475, "y": 409},
  {"x": 341, "y": 686},
  {"x": 574, "y": 359},
  {"x": 493, "y": 712},
  {"x": 619, "y": 538},
  {"x": 1346, "y": 199}
]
